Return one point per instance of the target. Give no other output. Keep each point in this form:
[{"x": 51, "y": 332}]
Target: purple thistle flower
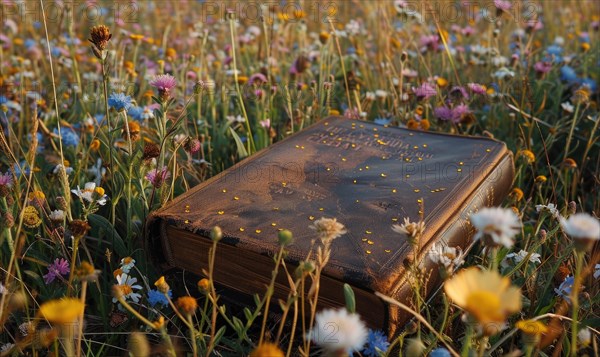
[
  {"x": 59, "y": 268},
  {"x": 459, "y": 112},
  {"x": 158, "y": 177},
  {"x": 477, "y": 88},
  {"x": 443, "y": 113},
  {"x": 459, "y": 90},
  {"x": 425, "y": 91},
  {"x": 258, "y": 78},
  {"x": 6, "y": 179},
  {"x": 163, "y": 82},
  {"x": 542, "y": 67}
]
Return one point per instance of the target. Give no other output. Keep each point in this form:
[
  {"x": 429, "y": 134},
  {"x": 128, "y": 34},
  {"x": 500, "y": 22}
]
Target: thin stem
[
  {"x": 269, "y": 294},
  {"x": 575, "y": 302}
]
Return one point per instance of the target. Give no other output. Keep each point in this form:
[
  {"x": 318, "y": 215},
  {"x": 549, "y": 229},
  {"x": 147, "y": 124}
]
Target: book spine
[{"x": 459, "y": 232}]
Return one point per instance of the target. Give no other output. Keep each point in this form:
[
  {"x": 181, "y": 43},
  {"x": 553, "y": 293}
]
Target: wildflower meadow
[{"x": 111, "y": 109}]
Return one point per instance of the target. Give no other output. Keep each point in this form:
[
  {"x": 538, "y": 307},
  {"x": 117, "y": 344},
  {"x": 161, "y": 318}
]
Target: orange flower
[{"x": 187, "y": 304}]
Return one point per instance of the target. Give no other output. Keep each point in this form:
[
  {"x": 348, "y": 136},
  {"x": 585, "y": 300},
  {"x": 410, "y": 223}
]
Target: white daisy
[
  {"x": 499, "y": 224},
  {"x": 87, "y": 194},
  {"x": 581, "y": 226},
  {"x": 449, "y": 257},
  {"x": 411, "y": 229},
  {"x": 126, "y": 264},
  {"x": 128, "y": 285},
  {"x": 567, "y": 107},
  {"x": 519, "y": 257},
  {"x": 338, "y": 330},
  {"x": 57, "y": 215},
  {"x": 550, "y": 207},
  {"x": 328, "y": 228}
]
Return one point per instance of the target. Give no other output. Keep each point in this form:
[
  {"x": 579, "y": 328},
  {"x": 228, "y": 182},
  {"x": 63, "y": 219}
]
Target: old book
[{"x": 367, "y": 176}]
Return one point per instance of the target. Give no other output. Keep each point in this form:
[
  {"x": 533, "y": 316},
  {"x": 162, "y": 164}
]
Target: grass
[{"x": 79, "y": 176}]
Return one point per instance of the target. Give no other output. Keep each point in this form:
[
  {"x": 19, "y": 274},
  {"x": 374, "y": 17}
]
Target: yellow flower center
[
  {"x": 484, "y": 305},
  {"x": 126, "y": 289}
]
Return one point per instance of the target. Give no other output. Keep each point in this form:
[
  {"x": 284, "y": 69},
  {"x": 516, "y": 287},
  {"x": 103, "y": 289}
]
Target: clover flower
[
  {"x": 59, "y": 268},
  {"x": 158, "y": 177}
]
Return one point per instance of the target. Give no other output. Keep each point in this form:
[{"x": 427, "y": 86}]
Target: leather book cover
[{"x": 367, "y": 176}]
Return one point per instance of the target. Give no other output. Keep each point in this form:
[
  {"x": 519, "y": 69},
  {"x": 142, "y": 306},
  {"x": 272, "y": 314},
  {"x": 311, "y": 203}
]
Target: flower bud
[
  {"x": 216, "y": 234},
  {"x": 285, "y": 237}
]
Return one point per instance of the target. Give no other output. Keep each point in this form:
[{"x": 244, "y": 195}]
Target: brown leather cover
[{"x": 367, "y": 176}]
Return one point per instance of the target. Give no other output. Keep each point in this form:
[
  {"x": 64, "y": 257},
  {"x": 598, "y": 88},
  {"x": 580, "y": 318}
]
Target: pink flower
[
  {"x": 425, "y": 91},
  {"x": 477, "y": 88},
  {"x": 504, "y": 5},
  {"x": 265, "y": 123},
  {"x": 59, "y": 268},
  {"x": 542, "y": 67},
  {"x": 6, "y": 179},
  {"x": 163, "y": 82},
  {"x": 158, "y": 177},
  {"x": 258, "y": 78}
]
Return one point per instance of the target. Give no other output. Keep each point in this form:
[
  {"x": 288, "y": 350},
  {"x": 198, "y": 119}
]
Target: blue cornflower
[
  {"x": 136, "y": 113},
  {"x": 68, "y": 135},
  {"x": 29, "y": 43},
  {"x": 156, "y": 297},
  {"x": 568, "y": 74},
  {"x": 119, "y": 101},
  {"x": 555, "y": 51},
  {"x": 440, "y": 352},
  {"x": 564, "y": 290},
  {"x": 382, "y": 121},
  {"x": 376, "y": 341}
]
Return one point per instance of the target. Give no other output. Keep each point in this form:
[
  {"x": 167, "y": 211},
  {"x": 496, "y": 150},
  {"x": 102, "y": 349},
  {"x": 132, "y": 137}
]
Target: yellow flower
[
  {"x": 203, "y": 284},
  {"x": 37, "y": 195},
  {"x": 99, "y": 190},
  {"x": 441, "y": 82},
  {"x": 158, "y": 324},
  {"x": 532, "y": 327},
  {"x": 516, "y": 194},
  {"x": 334, "y": 112},
  {"x": 528, "y": 155},
  {"x": 541, "y": 179},
  {"x": 135, "y": 37},
  {"x": 485, "y": 294},
  {"x": 63, "y": 311},
  {"x": 95, "y": 145},
  {"x": 161, "y": 285},
  {"x": 171, "y": 53},
  {"x": 187, "y": 304},
  {"x": 31, "y": 217},
  {"x": 267, "y": 350}
]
